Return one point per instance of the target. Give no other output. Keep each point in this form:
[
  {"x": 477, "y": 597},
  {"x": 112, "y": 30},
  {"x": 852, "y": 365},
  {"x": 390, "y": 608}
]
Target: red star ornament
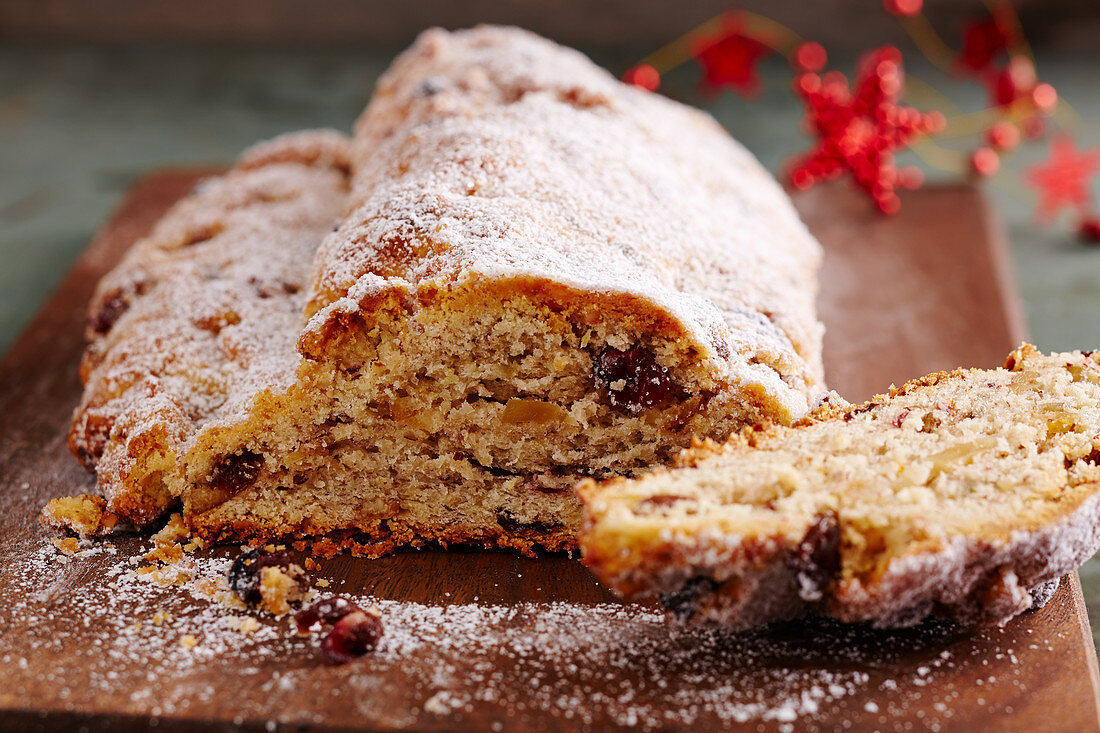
[
  {"x": 858, "y": 132},
  {"x": 1063, "y": 180},
  {"x": 729, "y": 60}
]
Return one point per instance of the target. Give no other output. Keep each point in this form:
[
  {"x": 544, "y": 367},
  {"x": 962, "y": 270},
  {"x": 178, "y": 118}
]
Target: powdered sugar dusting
[
  {"x": 494, "y": 153},
  {"x": 202, "y": 315},
  {"x": 135, "y": 647}
]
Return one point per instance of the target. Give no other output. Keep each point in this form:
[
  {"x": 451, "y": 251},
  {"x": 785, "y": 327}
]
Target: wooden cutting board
[{"x": 492, "y": 641}]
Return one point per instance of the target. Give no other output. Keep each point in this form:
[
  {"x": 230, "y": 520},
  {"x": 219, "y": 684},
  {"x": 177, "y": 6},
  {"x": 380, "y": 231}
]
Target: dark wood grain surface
[{"x": 922, "y": 291}]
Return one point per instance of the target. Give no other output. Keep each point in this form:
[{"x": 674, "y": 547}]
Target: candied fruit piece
[
  {"x": 235, "y": 473},
  {"x": 537, "y": 412},
  {"x": 108, "y": 313},
  {"x": 817, "y": 558},
  {"x": 634, "y": 380}
]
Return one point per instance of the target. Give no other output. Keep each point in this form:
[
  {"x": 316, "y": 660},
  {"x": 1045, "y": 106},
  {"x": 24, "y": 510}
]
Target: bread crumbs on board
[{"x": 158, "y": 646}]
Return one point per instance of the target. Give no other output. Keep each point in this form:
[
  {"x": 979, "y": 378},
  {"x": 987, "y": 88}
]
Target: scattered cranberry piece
[
  {"x": 353, "y": 636},
  {"x": 900, "y": 419},
  {"x": 354, "y": 631},
  {"x": 325, "y": 611},
  {"x": 645, "y": 383},
  {"x": 246, "y": 572}
]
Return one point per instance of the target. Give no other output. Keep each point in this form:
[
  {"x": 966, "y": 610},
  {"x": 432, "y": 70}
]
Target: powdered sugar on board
[{"x": 138, "y": 648}]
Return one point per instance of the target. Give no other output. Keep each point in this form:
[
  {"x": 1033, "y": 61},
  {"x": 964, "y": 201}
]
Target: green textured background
[{"x": 79, "y": 126}]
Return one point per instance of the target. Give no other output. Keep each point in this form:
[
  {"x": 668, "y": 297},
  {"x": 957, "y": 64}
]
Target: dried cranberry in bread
[
  {"x": 540, "y": 274},
  {"x": 965, "y": 495}
]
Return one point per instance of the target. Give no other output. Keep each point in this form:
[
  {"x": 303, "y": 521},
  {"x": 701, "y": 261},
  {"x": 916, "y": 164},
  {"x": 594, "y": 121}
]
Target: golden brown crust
[
  {"x": 363, "y": 542},
  {"x": 198, "y": 315}
]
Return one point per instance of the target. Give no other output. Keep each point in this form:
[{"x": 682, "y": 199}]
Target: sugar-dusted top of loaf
[
  {"x": 493, "y": 153},
  {"x": 204, "y": 312}
]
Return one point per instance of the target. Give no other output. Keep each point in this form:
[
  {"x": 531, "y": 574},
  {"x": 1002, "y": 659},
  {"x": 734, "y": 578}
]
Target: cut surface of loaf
[
  {"x": 536, "y": 274},
  {"x": 963, "y": 494}
]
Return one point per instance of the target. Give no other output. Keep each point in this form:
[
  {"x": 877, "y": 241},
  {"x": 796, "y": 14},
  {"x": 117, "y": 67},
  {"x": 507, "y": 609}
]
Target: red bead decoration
[
  {"x": 729, "y": 59},
  {"x": 984, "y": 162},
  {"x": 1089, "y": 230},
  {"x": 1033, "y": 128},
  {"x": 1015, "y": 81},
  {"x": 1003, "y": 136},
  {"x": 1017, "y": 85},
  {"x": 643, "y": 76},
  {"x": 858, "y": 132},
  {"x": 983, "y": 40},
  {"x": 904, "y": 8},
  {"x": 1044, "y": 97},
  {"x": 809, "y": 56},
  {"x": 1063, "y": 180}
]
